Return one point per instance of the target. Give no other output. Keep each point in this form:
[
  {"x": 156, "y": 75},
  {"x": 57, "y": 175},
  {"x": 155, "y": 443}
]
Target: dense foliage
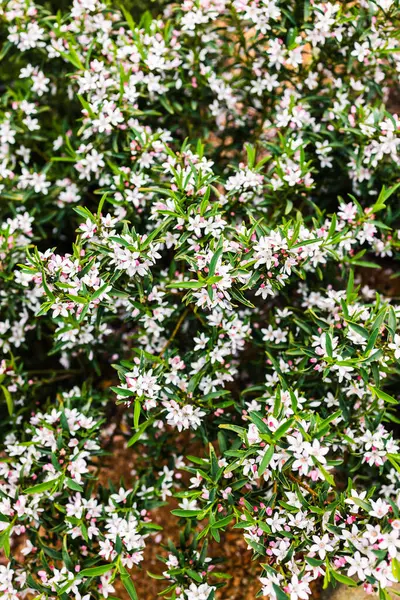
[{"x": 193, "y": 203}]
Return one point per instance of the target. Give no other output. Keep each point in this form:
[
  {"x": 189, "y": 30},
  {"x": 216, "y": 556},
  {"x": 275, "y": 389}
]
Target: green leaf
[
  {"x": 258, "y": 421},
  {"x": 46, "y": 287},
  {"x": 314, "y": 562},
  {"x": 222, "y": 522},
  {"x": 396, "y": 569},
  {"x": 34, "y": 585},
  {"x": 6, "y": 47},
  {"x": 213, "y": 395},
  {"x": 322, "y": 426},
  {"x": 78, "y": 299},
  {"x": 136, "y": 414},
  {"x": 72, "y": 58},
  {"x": 215, "y": 258},
  {"x": 128, "y": 583},
  {"x": 365, "y": 263},
  {"x": 99, "y": 292},
  {"x": 393, "y": 462},
  {"x": 328, "y": 342},
  {"x": 178, "y": 512},
  {"x": 73, "y": 485},
  {"x": 279, "y": 593},
  {"x": 392, "y": 322},
  {"x": 259, "y": 548},
  {"x": 266, "y": 459},
  {"x": 237, "y": 294},
  {"x": 384, "y": 193},
  {"x": 350, "y": 285},
  {"x": 327, "y": 476},
  {"x": 128, "y": 17},
  {"x": 187, "y": 285},
  {"x": 146, "y": 243},
  {"x": 358, "y": 329},
  {"x": 219, "y": 575},
  {"x": 282, "y": 429},
  {"x": 139, "y": 432},
  {"x": 41, "y": 487},
  {"x": 362, "y": 504},
  {"x": 371, "y": 341},
  {"x": 65, "y": 555},
  {"x": 251, "y": 155},
  {"x": 343, "y": 579},
  {"x": 383, "y": 395},
  {"x": 5, "y": 540},
  {"x": 288, "y": 207},
  {"x": 332, "y": 228},
  {"x": 9, "y": 400},
  {"x": 122, "y": 391},
  {"x": 194, "y": 575},
  {"x": 64, "y": 422},
  {"x": 166, "y": 104},
  {"x": 96, "y": 571},
  {"x": 240, "y": 430}
]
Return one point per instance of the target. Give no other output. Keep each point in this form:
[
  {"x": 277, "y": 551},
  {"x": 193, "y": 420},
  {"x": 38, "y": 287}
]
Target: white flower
[
  {"x": 121, "y": 496},
  {"x": 321, "y": 545},
  {"x": 199, "y": 592},
  {"x": 359, "y": 565},
  {"x": 298, "y": 589},
  {"x": 88, "y": 229},
  {"x": 395, "y": 345},
  {"x": 253, "y": 435},
  {"x": 379, "y": 508},
  {"x": 105, "y": 587}
]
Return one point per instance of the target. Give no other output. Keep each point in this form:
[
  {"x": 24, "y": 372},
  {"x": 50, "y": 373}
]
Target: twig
[
  {"x": 275, "y": 493},
  {"x": 175, "y": 331},
  {"x": 58, "y": 378},
  {"x": 303, "y": 485},
  {"x": 43, "y": 371}
]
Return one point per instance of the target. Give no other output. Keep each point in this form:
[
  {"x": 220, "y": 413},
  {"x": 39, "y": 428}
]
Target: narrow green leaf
[
  {"x": 327, "y": 476},
  {"x": 279, "y": 593},
  {"x": 282, "y": 429},
  {"x": 358, "y": 329},
  {"x": 266, "y": 459},
  {"x": 73, "y": 485},
  {"x": 41, "y": 487},
  {"x": 396, "y": 569},
  {"x": 8, "y": 398},
  {"x": 222, "y": 522},
  {"x": 350, "y": 285},
  {"x": 178, "y": 512},
  {"x": 383, "y": 395},
  {"x": 128, "y": 584},
  {"x": 136, "y": 414},
  {"x": 343, "y": 579},
  {"x": 187, "y": 285},
  {"x": 96, "y": 571}
]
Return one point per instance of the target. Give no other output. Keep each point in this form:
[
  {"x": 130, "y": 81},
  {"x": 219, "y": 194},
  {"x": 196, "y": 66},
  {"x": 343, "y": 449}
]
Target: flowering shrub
[
  {"x": 56, "y": 458},
  {"x": 195, "y": 202}
]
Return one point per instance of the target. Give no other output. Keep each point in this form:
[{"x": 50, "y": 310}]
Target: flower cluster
[
  {"x": 48, "y": 480},
  {"x": 197, "y": 204}
]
